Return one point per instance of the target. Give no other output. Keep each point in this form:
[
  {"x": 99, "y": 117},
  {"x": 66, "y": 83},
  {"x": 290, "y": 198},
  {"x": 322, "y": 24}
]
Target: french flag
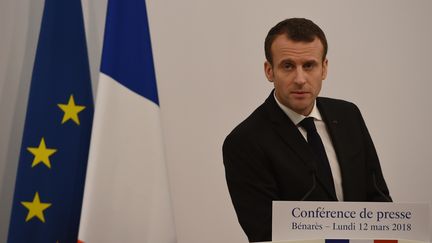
[
  {"x": 350, "y": 241},
  {"x": 126, "y": 197},
  {"x": 361, "y": 241}
]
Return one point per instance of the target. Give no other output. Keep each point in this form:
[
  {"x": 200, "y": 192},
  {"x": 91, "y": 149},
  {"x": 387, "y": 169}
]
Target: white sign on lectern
[{"x": 350, "y": 220}]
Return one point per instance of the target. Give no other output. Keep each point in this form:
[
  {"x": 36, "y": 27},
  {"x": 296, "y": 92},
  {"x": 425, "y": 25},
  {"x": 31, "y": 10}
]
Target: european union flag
[{"x": 53, "y": 158}]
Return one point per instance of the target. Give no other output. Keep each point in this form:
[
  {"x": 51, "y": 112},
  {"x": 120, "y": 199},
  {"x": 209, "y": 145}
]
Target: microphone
[
  {"x": 312, "y": 187},
  {"x": 378, "y": 189}
]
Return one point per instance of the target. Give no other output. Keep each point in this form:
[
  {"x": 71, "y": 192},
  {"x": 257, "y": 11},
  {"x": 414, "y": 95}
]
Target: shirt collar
[{"x": 295, "y": 117}]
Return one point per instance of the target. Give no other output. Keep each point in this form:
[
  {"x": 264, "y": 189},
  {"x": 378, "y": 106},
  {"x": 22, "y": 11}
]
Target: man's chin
[{"x": 304, "y": 109}]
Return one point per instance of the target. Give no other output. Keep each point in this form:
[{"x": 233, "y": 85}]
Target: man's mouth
[{"x": 300, "y": 92}]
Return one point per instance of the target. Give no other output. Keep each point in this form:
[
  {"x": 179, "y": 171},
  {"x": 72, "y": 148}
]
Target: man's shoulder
[
  {"x": 256, "y": 123},
  {"x": 336, "y": 105},
  {"x": 335, "y": 102}
]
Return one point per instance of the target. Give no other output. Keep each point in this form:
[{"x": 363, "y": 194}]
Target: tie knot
[{"x": 308, "y": 124}]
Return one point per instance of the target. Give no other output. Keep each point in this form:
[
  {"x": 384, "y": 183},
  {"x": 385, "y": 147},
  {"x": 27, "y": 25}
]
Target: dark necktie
[{"x": 315, "y": 142}]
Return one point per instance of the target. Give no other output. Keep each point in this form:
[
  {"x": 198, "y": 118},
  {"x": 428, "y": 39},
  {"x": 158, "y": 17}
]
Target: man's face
[{"x": 297, "y": 72}]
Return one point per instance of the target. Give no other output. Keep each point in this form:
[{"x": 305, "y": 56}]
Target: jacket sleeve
[{"x": 251, "y": 184}]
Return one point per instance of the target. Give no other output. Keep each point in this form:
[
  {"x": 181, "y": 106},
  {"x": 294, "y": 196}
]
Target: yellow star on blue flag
[
  {"x": 71, "y": 110},
  {"x": 36, "y": 208},
  {"x": 41, "y": 154}
]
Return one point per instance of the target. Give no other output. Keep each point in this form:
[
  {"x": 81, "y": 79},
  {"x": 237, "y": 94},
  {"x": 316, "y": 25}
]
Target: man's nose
[{"x": 300, "y": 76}]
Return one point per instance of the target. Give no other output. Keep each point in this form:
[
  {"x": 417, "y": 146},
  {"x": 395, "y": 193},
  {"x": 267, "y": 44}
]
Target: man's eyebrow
[
  {"x": 311, "y": 61},
  {"x": 287, "y": 60}
]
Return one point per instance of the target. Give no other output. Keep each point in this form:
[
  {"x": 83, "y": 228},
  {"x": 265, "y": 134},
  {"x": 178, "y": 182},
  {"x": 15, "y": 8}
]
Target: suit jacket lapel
[
  {"x": 288, "y": 132},
  {"x": 334, "y": 127},
  {"x": 338, "y": 127}
]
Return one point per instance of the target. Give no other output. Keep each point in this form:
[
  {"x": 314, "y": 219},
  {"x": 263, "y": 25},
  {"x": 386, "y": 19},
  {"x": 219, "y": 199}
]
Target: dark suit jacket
[{"x": 266, "y": 158}]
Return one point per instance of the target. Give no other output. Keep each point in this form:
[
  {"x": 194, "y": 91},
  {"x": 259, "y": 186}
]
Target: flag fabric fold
[
  {"x": 54, "y": 151},
  {"x": 126, "y": 196}
]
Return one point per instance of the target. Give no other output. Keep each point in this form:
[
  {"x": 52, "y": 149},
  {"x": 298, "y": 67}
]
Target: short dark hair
[{"x": 296, "y": 29}]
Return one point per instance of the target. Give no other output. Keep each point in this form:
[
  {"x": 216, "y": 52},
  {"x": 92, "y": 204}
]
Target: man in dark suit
[{"x": 275, "y": 155}]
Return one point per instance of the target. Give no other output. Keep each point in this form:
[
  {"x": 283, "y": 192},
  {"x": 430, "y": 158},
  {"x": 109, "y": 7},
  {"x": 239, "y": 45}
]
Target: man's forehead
[
  {"x": 284, "y": 46},
  {"x": 288, "y": 42}
]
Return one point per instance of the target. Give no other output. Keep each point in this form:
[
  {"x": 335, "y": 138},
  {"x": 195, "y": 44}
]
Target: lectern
[{"x": 343, "y": 222}]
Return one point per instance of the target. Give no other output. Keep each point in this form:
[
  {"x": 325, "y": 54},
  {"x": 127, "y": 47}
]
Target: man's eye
[
  {"x": 308, "y": 66},
  {"x": 288, "y": 66}
]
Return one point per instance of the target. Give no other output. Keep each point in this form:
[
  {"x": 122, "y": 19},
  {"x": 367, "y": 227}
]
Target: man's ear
[
  {"x": 325, "y": 66},
  {"x": 268, "y": 70}
]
